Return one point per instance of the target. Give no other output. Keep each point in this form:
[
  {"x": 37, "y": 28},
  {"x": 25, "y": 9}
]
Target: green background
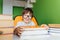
[
  {"x": 1, "y": 2},
  {"x": 17, "y": 11},
  {"x": 45, "y": 11}
]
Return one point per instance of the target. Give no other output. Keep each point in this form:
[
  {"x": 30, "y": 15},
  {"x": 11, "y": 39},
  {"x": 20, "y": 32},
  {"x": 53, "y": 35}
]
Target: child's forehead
[{"x": 27, "y": 13}]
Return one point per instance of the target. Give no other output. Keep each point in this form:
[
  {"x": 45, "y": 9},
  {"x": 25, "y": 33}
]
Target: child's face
[{"x": 27, "y": 17}]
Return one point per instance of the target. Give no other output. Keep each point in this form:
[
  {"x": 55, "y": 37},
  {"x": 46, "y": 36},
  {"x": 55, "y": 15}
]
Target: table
[{"x": 7, "y": 33}]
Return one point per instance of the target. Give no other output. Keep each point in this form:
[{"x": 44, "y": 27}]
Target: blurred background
[{"x": 45, "y": 11}]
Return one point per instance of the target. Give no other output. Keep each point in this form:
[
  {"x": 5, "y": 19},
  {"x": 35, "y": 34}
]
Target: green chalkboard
[
  {"x": 17, "y": 11},
  {"x": 1, "y": 6}
]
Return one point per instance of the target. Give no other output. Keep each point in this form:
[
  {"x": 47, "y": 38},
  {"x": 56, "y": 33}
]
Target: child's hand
[
  {"x": 18, "y": 31},
  {"x": 45, "y": 26}
]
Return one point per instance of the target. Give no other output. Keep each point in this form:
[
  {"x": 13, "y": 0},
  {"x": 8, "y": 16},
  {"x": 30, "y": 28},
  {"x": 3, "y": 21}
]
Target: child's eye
[
  {"x": 29, "y": 16},
  {"x": 25, "y": 16}
]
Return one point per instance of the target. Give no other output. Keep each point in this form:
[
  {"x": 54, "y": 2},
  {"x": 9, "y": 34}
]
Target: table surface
[
  {"x": 6, "y": 37},
  {"x": 7, "y": 33}
]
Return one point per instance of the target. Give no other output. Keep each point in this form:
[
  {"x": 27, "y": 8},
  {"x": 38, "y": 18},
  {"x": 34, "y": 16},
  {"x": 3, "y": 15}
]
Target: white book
[
  {"x": 54, "y": 30},
  {"x": 58, "y": 29},
  {"x": 37, "y": 37},
  {"x": 34, "y": 31}
]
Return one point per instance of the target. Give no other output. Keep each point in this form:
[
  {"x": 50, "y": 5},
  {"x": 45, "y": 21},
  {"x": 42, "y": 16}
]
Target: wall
[
  {"x": 47, "y": 11},
  {"x": 1, "y": 6},
  {"x": 8, "y": 7}
]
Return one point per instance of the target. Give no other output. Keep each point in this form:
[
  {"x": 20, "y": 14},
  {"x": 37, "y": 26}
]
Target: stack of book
[
  {"x": 6, "y": 21},
  {"x": 54, "y": 30},
  {"x": 54, "y": 33},
  {"x": 34, "y": 34}
]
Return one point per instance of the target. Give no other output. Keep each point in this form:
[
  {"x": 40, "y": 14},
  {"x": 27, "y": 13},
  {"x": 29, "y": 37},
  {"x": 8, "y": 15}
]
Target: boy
[{"x": 27, "y": 15}]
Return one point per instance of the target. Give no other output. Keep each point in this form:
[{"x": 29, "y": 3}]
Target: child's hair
[{"x": 26, "y": 10}]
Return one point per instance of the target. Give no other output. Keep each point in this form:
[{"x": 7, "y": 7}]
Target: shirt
[{"x": 22, "y": 23}]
